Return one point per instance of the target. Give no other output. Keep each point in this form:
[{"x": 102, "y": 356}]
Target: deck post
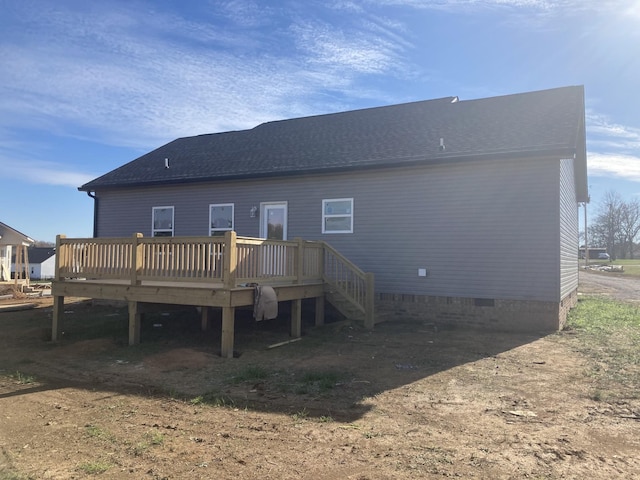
[
  {"x": 58, "y": 301},
  {"x": 58, "y": 317},
  {"x": 228, "y": 320},
  {"x": 135, "y": 317},
  {"x": 230, "y": 259},
  {"x": 20, "y": 268},
  {"x": 59, "y": 258},
  {"x": 205, "y": 318},
  {"x": 319, "y": 311},
  {"x": 296, "y": 318},
  {"x": 299, "y": 260},
  {"x": 136, "y": 260},
  {"x": 369, "y": 318}
]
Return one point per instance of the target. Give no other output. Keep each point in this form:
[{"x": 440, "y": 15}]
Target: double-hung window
[
  {"x": 162, "y": 223},
  {"x": 337, "y": 215},
  {"x": 220, "y": 218}
]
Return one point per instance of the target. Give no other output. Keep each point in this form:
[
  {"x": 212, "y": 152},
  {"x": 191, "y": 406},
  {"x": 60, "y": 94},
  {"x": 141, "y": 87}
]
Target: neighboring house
[
  {"x": 465, "y": 211},
  {"x": 12, "y": 242},
  {"x": 42, "y": 263}
]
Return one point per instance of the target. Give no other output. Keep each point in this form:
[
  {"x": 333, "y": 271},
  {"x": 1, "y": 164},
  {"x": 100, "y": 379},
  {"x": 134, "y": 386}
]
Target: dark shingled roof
[
  {"x": 38, "y": 254},
  {"x": 526, "y": 124}
]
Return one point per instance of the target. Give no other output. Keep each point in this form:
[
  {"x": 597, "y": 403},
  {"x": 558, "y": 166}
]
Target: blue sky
[{"x": 88, "y": 86}]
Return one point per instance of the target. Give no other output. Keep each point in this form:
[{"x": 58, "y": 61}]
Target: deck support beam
[
  {"x": 296, "y": 318},
  {"x": 57, "y": 322},
  {"x": 135, "y": 317},
  {"x": 228, "y": 326}
]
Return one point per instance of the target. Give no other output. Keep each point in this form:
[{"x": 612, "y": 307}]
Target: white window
[
  {"x": 220, "y": 218},
  {"x": 337, "y": 215},
  {"x": 162, "y": 222}
]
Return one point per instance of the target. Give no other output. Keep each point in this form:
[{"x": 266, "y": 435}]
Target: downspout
[{"x": 95, "y": 214}]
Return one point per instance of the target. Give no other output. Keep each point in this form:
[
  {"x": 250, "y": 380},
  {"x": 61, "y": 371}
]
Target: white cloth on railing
[{"x": 265, "y": 303}]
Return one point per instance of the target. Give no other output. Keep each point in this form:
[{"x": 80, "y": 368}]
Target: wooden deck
[{"x": 206, "y": 272}]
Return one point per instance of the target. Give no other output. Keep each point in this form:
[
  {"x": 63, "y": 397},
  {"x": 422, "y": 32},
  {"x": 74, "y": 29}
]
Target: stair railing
[{"x": 353, "y": 284}]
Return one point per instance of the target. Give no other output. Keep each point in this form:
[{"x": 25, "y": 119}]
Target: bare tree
[
  {"x": 606, "y": 230},
  {"x": 629, "y": 226}
]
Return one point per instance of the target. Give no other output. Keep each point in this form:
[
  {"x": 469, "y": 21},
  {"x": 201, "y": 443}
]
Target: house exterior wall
[
  {"x": 568, "y": 229},
  {"x": 42, "y": 271},
  {"x": 482, "y": 230},
  {"x": 48, "y": 269}
]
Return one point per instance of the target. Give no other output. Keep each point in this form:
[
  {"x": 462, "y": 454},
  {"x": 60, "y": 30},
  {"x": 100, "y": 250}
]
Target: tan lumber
[
  {"x": 57, "y": 321},
  {"x": 205, "y": 318},
  {"x": 228, "y": 325},
  {"x": 135, "y": 317},
  {"x": 296, "y": 318},
  {"x": 286, "y": 342}
]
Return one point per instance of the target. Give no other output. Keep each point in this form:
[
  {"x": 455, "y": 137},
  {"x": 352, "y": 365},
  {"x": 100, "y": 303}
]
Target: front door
[{"x": 273, "y": 225}]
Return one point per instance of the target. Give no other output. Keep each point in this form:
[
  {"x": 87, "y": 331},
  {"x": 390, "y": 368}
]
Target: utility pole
[{"x": 586, "y": 239}]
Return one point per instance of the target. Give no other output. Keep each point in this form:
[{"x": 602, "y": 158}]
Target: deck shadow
[{"x": 333, "y": 371}]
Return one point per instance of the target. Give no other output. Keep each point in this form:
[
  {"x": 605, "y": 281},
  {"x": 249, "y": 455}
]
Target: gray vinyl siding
[
  {"x": 481, "y": 229},
  {"x": 568, "y": 229}
]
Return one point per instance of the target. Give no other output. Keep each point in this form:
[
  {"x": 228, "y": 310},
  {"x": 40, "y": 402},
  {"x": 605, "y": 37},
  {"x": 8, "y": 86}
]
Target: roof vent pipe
[
  {"x": 166, "y": 163},
  {"x": 442, "y": 147}
]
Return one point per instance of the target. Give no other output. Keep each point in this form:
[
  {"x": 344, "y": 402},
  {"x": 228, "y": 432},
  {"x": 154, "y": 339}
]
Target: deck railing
[{"x": 229, "y": 261}]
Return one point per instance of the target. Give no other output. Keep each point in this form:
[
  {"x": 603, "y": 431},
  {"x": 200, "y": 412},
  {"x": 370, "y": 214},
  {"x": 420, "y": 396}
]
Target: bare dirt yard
[{"x": 404, "y": 401}]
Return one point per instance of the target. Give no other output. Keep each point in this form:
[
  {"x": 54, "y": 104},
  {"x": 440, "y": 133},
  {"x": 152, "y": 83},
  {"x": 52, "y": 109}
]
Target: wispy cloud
[
  {"x": 614, "y": 148},
  {"x": 42, "y": 172},
  {"x": 340, "y": 50},
  {"x": 540, "y": 5},
  {"x": 603, "y": 132},
  {"x": 614, "y": 166},
  {"x": 602, "y": 124},
  {"x": 139, "y": 78}
]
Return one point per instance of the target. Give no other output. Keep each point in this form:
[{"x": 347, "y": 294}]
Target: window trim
[
  {"x": 340, "y": 215},
  {"x": 213, "y": 230},
  {"x": 153, "y": 218}
]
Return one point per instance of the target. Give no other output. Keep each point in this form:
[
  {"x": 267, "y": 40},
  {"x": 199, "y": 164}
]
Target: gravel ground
[{"x": 612, "y": 285}]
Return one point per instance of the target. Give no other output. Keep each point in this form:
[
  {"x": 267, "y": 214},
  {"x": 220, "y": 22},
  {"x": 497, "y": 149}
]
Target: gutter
[{"x": 95, "y": 213}]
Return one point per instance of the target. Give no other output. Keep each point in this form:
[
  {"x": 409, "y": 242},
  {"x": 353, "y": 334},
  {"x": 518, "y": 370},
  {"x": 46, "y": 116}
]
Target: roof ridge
[
  {"x": 524, "y": 94},
  {"x": 443, "y": 100}
]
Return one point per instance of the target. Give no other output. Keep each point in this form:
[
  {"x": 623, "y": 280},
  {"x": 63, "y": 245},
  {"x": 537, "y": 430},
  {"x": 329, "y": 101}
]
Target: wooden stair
[
  {"x": 348, "y": 288},
  {"x": 345, "y": 306}
]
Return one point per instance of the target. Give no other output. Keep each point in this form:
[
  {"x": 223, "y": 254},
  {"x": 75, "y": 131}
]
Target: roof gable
[
  {"x": 11, "y": 236},
  {"x": 522, "y": 124}
]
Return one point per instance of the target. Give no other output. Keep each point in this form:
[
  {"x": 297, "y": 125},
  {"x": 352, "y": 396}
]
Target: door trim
[{"x": 264, "y": 207}]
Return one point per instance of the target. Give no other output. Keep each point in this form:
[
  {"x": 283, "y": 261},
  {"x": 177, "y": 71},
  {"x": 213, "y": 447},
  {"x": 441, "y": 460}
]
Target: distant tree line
[
  {"x": 40, "y": 243},
  {"x": 616, "y": 226}
]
